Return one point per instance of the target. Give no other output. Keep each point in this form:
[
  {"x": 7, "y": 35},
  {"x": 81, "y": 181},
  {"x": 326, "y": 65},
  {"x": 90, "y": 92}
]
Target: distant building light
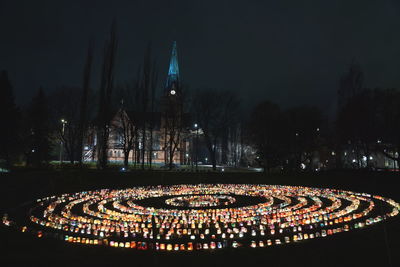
[
  {"x": 354, "y": 160},
  {"x": 371, "y": 158},
  {"x": 33, "y": 150},
  {"x": 302, "y": 166},
  {"x": 187, "y": 155},
  {"x": 317, "y": 129},
  {"x": 297, "y": 134},
  {"x": 222, "y": 169},
  {"x": 86, "y": 148},
  {"x": 333, "y": 153},
  {"x": 379, "y": 141},
  {"x": 345, "y": 153},
  {"x": 364, "y": 158}
]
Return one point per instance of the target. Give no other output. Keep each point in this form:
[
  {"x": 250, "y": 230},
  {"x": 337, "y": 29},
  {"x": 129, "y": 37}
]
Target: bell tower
[
  {"x": 172, "y": 86},
  {"x": 172, "y": 126}
]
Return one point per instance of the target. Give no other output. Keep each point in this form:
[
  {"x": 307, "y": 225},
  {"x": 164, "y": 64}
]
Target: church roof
[{"x": 173, "y": 71}]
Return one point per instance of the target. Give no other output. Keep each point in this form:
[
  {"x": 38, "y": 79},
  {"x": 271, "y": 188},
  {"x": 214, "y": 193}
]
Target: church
[{"x": 168, "y": 141}]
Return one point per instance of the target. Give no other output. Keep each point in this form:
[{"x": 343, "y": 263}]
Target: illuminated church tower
[
  {"x": 172, "y": 122},
  {"x": 172, "y": 87}
]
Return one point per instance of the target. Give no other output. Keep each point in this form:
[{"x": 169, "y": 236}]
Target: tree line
[{"x": 367, "y": 122}]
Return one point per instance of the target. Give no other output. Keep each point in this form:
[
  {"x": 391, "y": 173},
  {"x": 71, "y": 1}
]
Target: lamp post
[
  {"x": 62, "y": 136},
  {"x": 196, "y": 126}
]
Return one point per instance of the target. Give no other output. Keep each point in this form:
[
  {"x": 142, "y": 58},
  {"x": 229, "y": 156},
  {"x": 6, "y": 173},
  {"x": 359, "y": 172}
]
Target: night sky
[{"x": 290, "y": 52}]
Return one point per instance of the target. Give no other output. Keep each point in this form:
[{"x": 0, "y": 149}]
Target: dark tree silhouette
[
  {"x": 65, "y": 120},
  {"x": 234, "y": 144},
  {"x": 351, "y": 84},
  {"x": 388, "y": 113},
  {"x": 358, "y": 122},
  {"x": 266, "y": 130},
  {"x": 83, "y": 113},
  {"x": 125, "y": 128},
  {"x": 147, "y": 85},
  {"x": 105, "y": 95},
  {"x": 9, "y": 119},
  {"x": 173, "y": 124},
  {"x": 135, "y": 115},
  {"x": 215, "y": 111},
  {"x": 153, "y": 86},
  {"x": 38, "y": 139},
  {"x": 303, "y": 134},
  {"x": 284, "y": 138}
]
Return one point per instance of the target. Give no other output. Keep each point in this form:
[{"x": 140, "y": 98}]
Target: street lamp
[
  {"x": 196, "y": 126},
  {"x": 62, "y": 135}
]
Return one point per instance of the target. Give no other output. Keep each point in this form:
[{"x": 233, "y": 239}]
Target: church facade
[{"x": 169, "y": 140}]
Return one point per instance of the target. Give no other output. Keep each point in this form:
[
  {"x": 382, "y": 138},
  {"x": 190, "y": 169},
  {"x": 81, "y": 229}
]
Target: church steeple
[{"x": 173, "y": 73}]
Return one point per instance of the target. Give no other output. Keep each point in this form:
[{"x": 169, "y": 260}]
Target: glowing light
[{"x": 217, "y": 220}]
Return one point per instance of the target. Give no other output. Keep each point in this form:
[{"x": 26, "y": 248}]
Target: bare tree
[
  {"x": 234, "y": 146},
  {"x": 65, "y": 120},
  {"x": 145, "y": 87},
  {"x": 215, "y": 111},
  {"x": 154, "y": 78},
  {"x": 146, "y": 96},
  {"x": 265, "y": 132},
  {"x": 303, "y": 125},
  {"x": 10, "y": 118},
  {"x": 357, "y": 124},
  {"x": 38, "y": 141},
  {"x": 173, "y": 121},
  {"x": 69, "y": 133},
  {"x": 388, "y": 142},
  {"x": 106, "y": 88},
  {"x": 173, "y": 127},
  {"x": 126, "y": 130},
  {"x": 83, "y": 116},
  {"x": 351, "y": 84}
]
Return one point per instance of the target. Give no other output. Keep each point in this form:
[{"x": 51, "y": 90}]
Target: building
[{"x": 165, "y": 138}]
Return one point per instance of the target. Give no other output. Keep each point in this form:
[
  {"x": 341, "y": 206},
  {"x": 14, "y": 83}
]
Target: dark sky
[{"x": 290, "y": 52}]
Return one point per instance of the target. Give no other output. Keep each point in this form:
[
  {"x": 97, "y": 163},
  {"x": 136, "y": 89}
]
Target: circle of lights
[
  {"x": 200, "y": 201},
  {"x": 285, "y": 214}
]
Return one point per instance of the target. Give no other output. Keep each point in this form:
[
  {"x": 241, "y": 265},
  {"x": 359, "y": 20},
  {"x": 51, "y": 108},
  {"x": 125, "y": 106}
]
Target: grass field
[{"x": 378, "y": 245}]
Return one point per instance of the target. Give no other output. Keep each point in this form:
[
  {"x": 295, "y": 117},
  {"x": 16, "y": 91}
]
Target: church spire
[{"x": 173, "y": 72}]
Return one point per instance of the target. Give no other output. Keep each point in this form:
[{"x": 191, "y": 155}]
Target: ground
[{"x": 377, "y": 245}]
